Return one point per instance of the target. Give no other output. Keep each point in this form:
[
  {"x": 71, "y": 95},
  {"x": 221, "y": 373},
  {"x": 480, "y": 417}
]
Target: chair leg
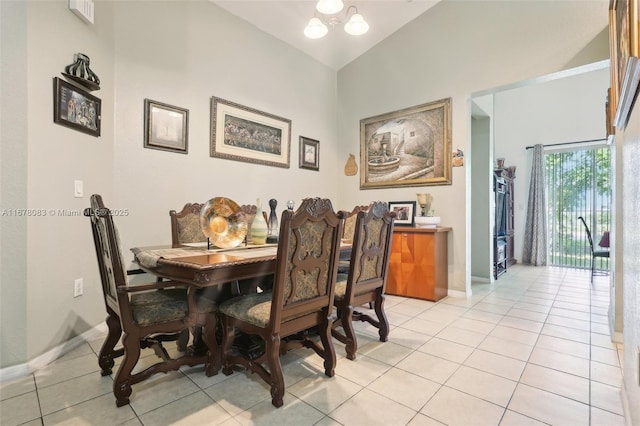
[
  {"x": 383, "y": 328},
  {"x": 107, "y": 354},
  {"x": 351, "y": 342},
  {"x": 122, "y": 382},
  {"x": 275, "y": 369},
  {"x": 183, "y": 340},
  {"x": 329, "y": 352},
  {"x": 213, "y": 354},
  {"x": 228, "y": 335}
]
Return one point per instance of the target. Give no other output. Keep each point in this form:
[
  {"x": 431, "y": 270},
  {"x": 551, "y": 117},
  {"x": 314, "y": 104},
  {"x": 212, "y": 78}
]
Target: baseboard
[
  {"x": 22, "y": 370},
  {"x": 617, "y": 337},
  {"x": 625, "y": 403},
  {"x": 479, "y": 279},
  {"x": 456, "y": 293}
]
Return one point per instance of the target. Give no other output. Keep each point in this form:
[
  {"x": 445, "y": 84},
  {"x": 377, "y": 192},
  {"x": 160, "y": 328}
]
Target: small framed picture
[
  {"x": 166, "y": 127},
  {"x": 405, "y": 212},
  {"x": 75, "y": 108},
  {"x": 309, "y": 153}
]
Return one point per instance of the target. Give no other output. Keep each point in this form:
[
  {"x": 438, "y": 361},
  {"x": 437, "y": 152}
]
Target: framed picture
[
  {"x": 612, "y": 94},
  {"x": 624, "y": 43},
  {"x": 405, "y": 212},
  {"x": 166, "y": 127},
  {"x": 409, "y": 147},
  {"x": 245, "y": 134},
  {"x": 309, "y": 153},
  {"x": 75, "y": 108}
]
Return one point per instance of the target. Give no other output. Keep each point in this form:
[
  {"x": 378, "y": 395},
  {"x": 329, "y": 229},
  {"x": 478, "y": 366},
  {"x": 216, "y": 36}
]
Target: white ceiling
[{"x": 286, "y": 20}]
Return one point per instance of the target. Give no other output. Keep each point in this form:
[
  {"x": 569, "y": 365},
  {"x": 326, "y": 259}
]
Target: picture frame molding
[
  {"x": 400, "y": 220},
  {"x": 224, "y": 111},
  {"x": 304, "y": 160},
  {"x": 433, "y": 117},
  {"x": 61, "y": 91},
  {"x": 624, "y": 44},
  {"x": 151, "y": 116}
]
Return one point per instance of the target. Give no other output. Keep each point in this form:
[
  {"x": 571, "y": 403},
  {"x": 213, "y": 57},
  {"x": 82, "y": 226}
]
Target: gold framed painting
[
  {"x": 408, "y": 147},
  {"x": 625, "y": 49}
]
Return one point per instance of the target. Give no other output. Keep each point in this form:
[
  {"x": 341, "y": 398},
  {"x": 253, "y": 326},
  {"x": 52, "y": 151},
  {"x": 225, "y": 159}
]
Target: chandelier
[{"x": 329, "y": 10}]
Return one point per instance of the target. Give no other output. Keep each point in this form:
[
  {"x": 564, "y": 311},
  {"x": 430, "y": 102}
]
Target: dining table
[
  {"x": 213, "y": 270},
  {"x": 202, "y": 266}
]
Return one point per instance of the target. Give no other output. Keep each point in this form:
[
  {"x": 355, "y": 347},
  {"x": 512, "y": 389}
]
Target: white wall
[
  {"x": 189, "y": 52},
  {"x": 629, "y": 252},
  {"x": 561, "y": 110},
  {"x": 13, "y": 181},
  {"x": 455, "y": 49},
  {"x": 180, "y": 53},
  {"x": 480, "y": 161},
  {"x": 55, "y": 249}
]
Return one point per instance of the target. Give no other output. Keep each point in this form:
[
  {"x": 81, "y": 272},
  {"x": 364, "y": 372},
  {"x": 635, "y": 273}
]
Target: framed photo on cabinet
[{"x": 405, "y": 212}]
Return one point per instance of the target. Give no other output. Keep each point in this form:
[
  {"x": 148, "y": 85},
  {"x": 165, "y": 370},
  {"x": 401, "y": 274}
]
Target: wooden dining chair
[
  {"x": 144, "y": 315},
  {"x": 301, "y": 299},
  {"x": 185, "y": 225},
  {"x": 347, "y": 237},
  {"x": 367, "y": 277}
]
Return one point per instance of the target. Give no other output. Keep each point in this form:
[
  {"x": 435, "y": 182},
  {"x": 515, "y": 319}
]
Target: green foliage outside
[{"x": 578, "y": 184}]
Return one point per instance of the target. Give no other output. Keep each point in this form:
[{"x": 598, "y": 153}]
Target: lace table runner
[{"x": 149, "y": 257}]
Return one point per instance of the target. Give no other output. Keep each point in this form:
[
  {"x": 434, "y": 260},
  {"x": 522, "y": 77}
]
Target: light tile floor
[{"x": 533, "y": 348}]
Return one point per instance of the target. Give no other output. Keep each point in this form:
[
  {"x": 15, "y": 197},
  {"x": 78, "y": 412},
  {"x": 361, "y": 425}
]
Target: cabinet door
[
  {"x": 418, "y": 265},
  {"x": 411, "y": 266},
  {"x": 394, "y": 276}
]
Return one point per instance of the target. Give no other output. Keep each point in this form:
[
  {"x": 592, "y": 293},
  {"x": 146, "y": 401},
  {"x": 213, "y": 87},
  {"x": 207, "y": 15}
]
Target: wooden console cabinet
[{"x": 418, "y": 263}]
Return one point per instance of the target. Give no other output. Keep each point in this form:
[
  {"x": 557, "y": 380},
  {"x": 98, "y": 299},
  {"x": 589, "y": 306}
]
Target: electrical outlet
[{"x": 77, "y": 287}]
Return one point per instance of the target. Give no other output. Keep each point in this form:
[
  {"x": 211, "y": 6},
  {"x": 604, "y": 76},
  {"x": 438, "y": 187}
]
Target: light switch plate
[{"x": 78, "y": 190}]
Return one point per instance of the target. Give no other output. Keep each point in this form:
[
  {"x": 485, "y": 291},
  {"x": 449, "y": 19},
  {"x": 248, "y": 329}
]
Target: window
[{"x": 578, "y": 184}]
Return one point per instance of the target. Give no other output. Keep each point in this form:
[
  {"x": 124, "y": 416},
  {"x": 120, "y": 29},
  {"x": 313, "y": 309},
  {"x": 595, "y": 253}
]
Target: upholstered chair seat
[
  {"x": 341, "y": 288},
  {"x": 165, "y": 306},
  {"x": 251, "y": 308}
]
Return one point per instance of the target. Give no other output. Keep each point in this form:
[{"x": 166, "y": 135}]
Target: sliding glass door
[{"x": 578, "y": 184}]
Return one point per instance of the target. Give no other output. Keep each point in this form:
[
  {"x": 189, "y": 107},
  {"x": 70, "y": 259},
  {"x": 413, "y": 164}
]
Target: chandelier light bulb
[
  {"x": 315, "y": 29},
  {"x": 329, "y": 7},
  {"x": 356, "y": 25}
]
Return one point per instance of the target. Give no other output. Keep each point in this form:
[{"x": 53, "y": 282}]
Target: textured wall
[{"x": 630, "y": 142}]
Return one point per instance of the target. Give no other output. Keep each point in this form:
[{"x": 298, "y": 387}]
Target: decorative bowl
[
  {"x": 222, "y": 220},
  {"x": 427, "y": 221}
]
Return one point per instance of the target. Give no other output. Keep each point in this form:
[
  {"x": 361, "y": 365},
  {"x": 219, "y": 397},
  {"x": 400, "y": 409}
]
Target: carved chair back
[
  {"x": 370, "y": 250},
  {"x": 306, "y": 269},
  {"x": 185, "y": 225},
  {"x": 106, "y": 241},
  {"x": 350, "y": 223}
]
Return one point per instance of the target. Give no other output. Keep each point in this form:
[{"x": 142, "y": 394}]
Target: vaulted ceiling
[{"x": 286, "y": 21}]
